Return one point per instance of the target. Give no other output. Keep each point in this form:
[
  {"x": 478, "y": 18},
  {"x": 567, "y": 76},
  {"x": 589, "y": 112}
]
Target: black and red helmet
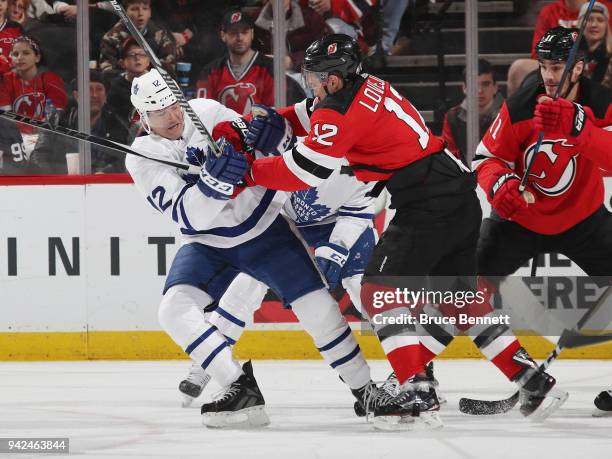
[
  {"x": 337, "y": 53},
  {"x": 557, "y": 43}
]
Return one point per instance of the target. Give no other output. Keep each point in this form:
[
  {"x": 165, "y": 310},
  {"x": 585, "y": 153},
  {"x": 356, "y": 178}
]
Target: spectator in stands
[
  {"x": 49, "y": 154},
  {"x": 393, "y": 11},
  {"x": 243, "y": 76},
  {"x": 160, "y": 39},
  {"x": 135, "y": 63},
  {"x": 195, "y": 28},
  {"x": 562, "y": 13},
  {"x": 9, "y": 30},
  {"x": 303, "y": 27},
  {"x": 598, "y": 38},
  {"x": 13, "y": 160},
  {"x": 348, "y": 17},
  {"x": 490, "y": 100},
  {"x": 29, "y": 90}
]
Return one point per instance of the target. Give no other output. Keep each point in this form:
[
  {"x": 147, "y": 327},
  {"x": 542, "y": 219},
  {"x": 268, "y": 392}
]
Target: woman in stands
[
  {"x": 598, "y": 38},
  {"x": 9, "y": 30},
  {"x": 29, "y": 90}
]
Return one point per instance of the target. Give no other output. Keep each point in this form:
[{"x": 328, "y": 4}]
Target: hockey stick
[
  {"x": 569, "y": 66},
  {"x": 174, "y": 87},
  {"x": 569, "y": 339},
  {"x": 118, "y": 147}
]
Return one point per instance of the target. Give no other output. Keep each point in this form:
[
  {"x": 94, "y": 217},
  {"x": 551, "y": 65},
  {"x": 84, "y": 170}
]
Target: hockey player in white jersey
[
  {"x": 222, "y": 237},
  {"x": 335, "y": 219}
]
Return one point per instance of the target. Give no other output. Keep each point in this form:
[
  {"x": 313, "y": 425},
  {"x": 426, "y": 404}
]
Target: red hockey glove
[
  {"x": 562, "y": 116},
  {"x": 505, "y": 196}
]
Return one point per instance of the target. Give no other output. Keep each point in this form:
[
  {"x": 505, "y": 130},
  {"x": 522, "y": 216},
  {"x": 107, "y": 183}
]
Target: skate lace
[
  {"x": 198, "y": 376},
  {"x": 375, "y": 396},
  {"x": 227, "y": 393}
]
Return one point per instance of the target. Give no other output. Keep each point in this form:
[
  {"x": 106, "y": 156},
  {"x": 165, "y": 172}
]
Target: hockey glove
[
  {"x": 219, "y": 175},
  {"x": 562, "y": 116},
  {"x": 505, "y": 196},
  {"x": 269, "y": 132},
  {"x": 330, "y": 260}
]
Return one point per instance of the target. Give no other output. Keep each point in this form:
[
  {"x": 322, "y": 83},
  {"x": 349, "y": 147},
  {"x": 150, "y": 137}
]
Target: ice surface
[{"x": 132, "y": 409}]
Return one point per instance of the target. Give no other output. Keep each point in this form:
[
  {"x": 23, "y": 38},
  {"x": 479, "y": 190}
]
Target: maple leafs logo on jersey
[
  {"x": 554, "y": 167},
  {"x": 306, "y": 208}
]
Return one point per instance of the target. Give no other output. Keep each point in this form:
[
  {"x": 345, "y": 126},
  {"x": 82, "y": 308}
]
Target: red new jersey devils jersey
[
  {"x": 28, "y": 97},
  {"x": 8, "y": 32},
  {"x": 370, "y": 124},
  {"x": 567, "y": 181},
  {"x": 238, "y": 92}
]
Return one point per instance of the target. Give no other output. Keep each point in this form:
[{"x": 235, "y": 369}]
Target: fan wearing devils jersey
[
  {"x": 363, "y": 119},
  {"x": 244, "y": 76},
  {"x": 26, "y": 90},
  {"x": 9, "y": 30}
]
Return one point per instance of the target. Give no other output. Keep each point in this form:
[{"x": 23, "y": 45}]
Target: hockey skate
[
  {"x": 370, "y": 396},
  {"x": 241, "y": 405},
  {"x": 537, "y": 397},
  {"x": 603, "y": 404},
  {"x": 416, "y": 407},
  {"x": 192, "y": 386}
]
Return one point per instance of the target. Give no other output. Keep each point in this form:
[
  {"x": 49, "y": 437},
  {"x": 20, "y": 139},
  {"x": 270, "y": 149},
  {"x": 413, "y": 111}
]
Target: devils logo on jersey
[
  {"x": 554, "y": 167},
  {"x": 31, "y": 104},
  {"x": 238, "y": 97}
]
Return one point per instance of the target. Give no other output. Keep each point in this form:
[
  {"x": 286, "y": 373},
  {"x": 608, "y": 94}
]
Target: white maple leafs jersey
[
  {"x": 202, "y": 219},
  {"x": 341, "y": 199}
]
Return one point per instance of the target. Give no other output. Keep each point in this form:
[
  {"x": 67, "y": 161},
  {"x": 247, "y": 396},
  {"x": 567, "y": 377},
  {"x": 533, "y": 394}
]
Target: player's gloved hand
[
  {"x": 562, "y": 116},
  {"x": 505, "y": 196},
  {"x": 269, "y": 132},
  {"x": 219, "y": 175},
  {"x": 330, "y": 259}
]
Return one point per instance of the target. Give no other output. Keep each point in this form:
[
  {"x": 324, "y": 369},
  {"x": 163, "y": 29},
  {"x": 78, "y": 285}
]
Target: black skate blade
[
  {"x": 551, "y": 403},
  {"x": 597, "y": 413},
  {"x": 247, "y": 418}
]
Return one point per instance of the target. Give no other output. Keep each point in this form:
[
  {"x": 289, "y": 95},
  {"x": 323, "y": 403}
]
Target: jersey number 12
[{"x": 393, "y": 106}]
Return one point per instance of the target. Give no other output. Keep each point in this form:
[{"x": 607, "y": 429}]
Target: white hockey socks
[
  {"x": 181, "y": 317},
  {"x": 236, "y": 307},
  {"x": 321, "y": 318}
]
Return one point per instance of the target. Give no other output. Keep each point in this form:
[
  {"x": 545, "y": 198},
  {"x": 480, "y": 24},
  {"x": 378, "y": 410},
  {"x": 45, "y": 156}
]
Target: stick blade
[{"x": 487, "y": 407}]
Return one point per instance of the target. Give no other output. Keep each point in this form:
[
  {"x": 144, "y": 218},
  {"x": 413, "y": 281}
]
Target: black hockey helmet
[
  {"x": 557, "y": 43},
  {"x": 338, "y": 54}
]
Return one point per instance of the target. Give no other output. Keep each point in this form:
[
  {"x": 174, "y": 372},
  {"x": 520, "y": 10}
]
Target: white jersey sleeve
[
  {"x": 164, "y": 187},
  {"x": 354, "y": 216}
]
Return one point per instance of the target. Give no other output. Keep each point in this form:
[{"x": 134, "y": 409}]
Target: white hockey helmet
[{"x": 150, "y": 93}]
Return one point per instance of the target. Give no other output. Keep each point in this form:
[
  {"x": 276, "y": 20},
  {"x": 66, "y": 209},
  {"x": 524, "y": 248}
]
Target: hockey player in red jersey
[
  {"x": 568, "y": 215},
  {"x": 383, "y": 137}
]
